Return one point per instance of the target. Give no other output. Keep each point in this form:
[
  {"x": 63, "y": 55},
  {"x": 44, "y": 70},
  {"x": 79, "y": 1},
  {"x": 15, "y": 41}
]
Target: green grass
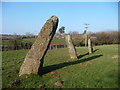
[
  {"x": 6, "y": 42},
  {"x": 54, "y": 41},
  {"x": 97, "y": 70},
  {"x": 31, "y": 40},
  {"x": 58, "y": 41}
]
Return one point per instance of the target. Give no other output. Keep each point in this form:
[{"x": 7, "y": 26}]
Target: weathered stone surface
[
  {"x": 72, "y": 50},
  {"x": 90, "y": 47},
  {"x": 34, "y": 59},
  {"x": 86, "y": 40}
]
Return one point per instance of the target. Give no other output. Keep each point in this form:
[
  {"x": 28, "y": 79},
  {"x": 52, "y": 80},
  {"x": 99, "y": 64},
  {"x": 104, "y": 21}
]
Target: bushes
[
  {"x": 78, "y": 42},
  {"x": 16, "y": 41},
  {"x": 16, "y": 44},
  {"x": 110, "y": 37},
  {"x": 17, "y": 47},
  {"x": 99, "y": 38},
  {"x": 78, "y": 39}
]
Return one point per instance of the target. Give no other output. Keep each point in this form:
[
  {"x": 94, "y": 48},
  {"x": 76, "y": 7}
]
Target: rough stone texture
[
  {"x": 86, "y": 40},
  {"x": 90, "y": 47},
  {"x": 34, "y": 59},
  {"x": 72, "y": 50}
]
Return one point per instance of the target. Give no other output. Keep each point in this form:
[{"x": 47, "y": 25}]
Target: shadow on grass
[
  {"x": 50, "y": 68},
  {"x": 95, "y": 50},
  {"x": 80, "y": 56}
]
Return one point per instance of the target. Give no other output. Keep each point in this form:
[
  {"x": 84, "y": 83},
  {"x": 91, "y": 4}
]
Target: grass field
[
  {"x": 54, "y": 41},
  {"x": 31, "y": 40},
  {"x": 97, "y": 70},
  {"x": 6, "y": 42}
]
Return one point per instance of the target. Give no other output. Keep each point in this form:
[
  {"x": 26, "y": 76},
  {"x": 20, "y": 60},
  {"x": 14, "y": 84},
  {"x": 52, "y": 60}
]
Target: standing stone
[
  {"x": 86, "y": 40},
  {"x": 90, "y": 47},
  {"x": 72, "y": 50},
  {"x": 33, "y": 62}
]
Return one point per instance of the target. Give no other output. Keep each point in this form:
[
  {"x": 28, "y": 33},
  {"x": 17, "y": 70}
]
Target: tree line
[
  {"x": 110, "y": 37},
  {"x": 98, "y": 38}
]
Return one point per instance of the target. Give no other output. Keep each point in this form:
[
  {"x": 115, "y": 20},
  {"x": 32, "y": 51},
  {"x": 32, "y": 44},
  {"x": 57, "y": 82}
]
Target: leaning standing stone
[
  {"x": 34, "y": 59},
  {"x": 90, "y": 47},
  {"x": 72, "y": 50}
]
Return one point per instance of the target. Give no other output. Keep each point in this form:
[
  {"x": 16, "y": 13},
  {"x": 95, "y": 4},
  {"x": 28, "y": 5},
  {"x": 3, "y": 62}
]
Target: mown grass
[{"x": 96, "y": 70}]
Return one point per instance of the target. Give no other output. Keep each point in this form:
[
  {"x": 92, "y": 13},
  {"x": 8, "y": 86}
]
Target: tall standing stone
[
  {"x": 90, "y": 47},
  {"x": 86, "y": 40},
  {"x": 35, "y": 57},
  {"x": 72, "y": 50}
]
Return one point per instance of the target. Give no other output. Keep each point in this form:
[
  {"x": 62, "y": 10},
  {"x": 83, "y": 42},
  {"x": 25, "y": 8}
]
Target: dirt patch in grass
[{"x": 58, "y": 83}]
